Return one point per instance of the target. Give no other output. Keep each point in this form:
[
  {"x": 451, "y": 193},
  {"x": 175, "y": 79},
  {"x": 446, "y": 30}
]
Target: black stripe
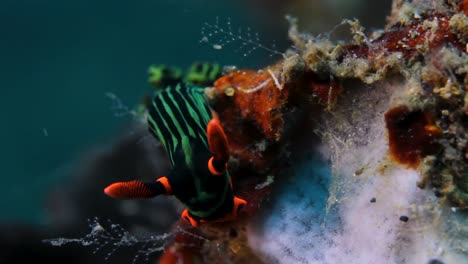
[
  {"x": 159, "y": 102},
  {"x": 176, "y": 113},
  {"x": 200, "y": 93},
  {"x": 162, "y": 127},
  {"x": 186, "y": 93},
  {"x": 186, "y": 114}
]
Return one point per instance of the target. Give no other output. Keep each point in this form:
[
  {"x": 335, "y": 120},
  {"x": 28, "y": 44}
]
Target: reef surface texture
[{"x": 386, "y": 112}]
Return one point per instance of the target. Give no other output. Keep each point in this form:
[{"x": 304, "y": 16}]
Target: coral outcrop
[{"x": 423, "y": 48}]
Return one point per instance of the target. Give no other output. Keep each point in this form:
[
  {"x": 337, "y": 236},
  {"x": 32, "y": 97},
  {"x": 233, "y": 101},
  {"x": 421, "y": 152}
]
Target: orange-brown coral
[
  {"x": 464, "y": 7},
  {"x": 326, "y": 91},
  {"x": 412, "y": 135},
  {"x": 255, "y": 98},
  {"x": 430, "y": 32},
  {"x": 252, "y": 106},
  {"x": 249, "y": 106}
]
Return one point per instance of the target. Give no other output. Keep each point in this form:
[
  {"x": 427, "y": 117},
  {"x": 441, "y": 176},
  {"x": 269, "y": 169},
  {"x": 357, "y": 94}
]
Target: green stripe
[
  {"x": 202, "y": 105},
  {"x": 156, "y": 130},
  {"x": 194, "y": 115},
  {"x": 187, "y": 152},
  {"x": 174, "y": 139},
  {"x": 214, "y": 71},
  {"x": 191, "y": 132},
  {"x": 173, "y": 119}
]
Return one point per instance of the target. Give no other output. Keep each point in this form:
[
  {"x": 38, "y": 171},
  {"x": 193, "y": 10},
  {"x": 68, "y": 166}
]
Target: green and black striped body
[
  {"x": 203, "y": 74},
  {"x": 199, "y": 73},
  {"x": 178, "y": 117},
  {"x": 161, "y": 76}
]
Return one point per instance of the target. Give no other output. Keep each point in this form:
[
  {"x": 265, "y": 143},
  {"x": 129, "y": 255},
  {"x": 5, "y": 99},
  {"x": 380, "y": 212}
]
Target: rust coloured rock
[{"x": 412, "y": 135}]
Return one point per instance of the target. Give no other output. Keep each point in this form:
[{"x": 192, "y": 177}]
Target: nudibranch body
[
  {"x": 199, "y": 73},
  {"x": 161, "y": 76},
  {"x": 181, "y": 119}
]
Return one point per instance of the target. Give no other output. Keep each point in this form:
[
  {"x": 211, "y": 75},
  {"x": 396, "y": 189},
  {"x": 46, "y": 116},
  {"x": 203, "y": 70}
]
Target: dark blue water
[{"x": 59, "y": 58}]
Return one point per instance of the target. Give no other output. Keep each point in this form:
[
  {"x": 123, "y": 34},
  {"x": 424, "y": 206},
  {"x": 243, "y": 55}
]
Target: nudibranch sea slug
[{"x": 181, "y": 119}]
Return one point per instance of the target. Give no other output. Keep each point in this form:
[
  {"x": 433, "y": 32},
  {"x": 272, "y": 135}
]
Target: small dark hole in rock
[
  {"x": 435, "y": 261},
  {"x": 233, "y": 233},
  {"x": 404, "y": 218}
]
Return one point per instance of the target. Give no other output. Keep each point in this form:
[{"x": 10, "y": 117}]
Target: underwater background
[{"x": 59, "y": 59}]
